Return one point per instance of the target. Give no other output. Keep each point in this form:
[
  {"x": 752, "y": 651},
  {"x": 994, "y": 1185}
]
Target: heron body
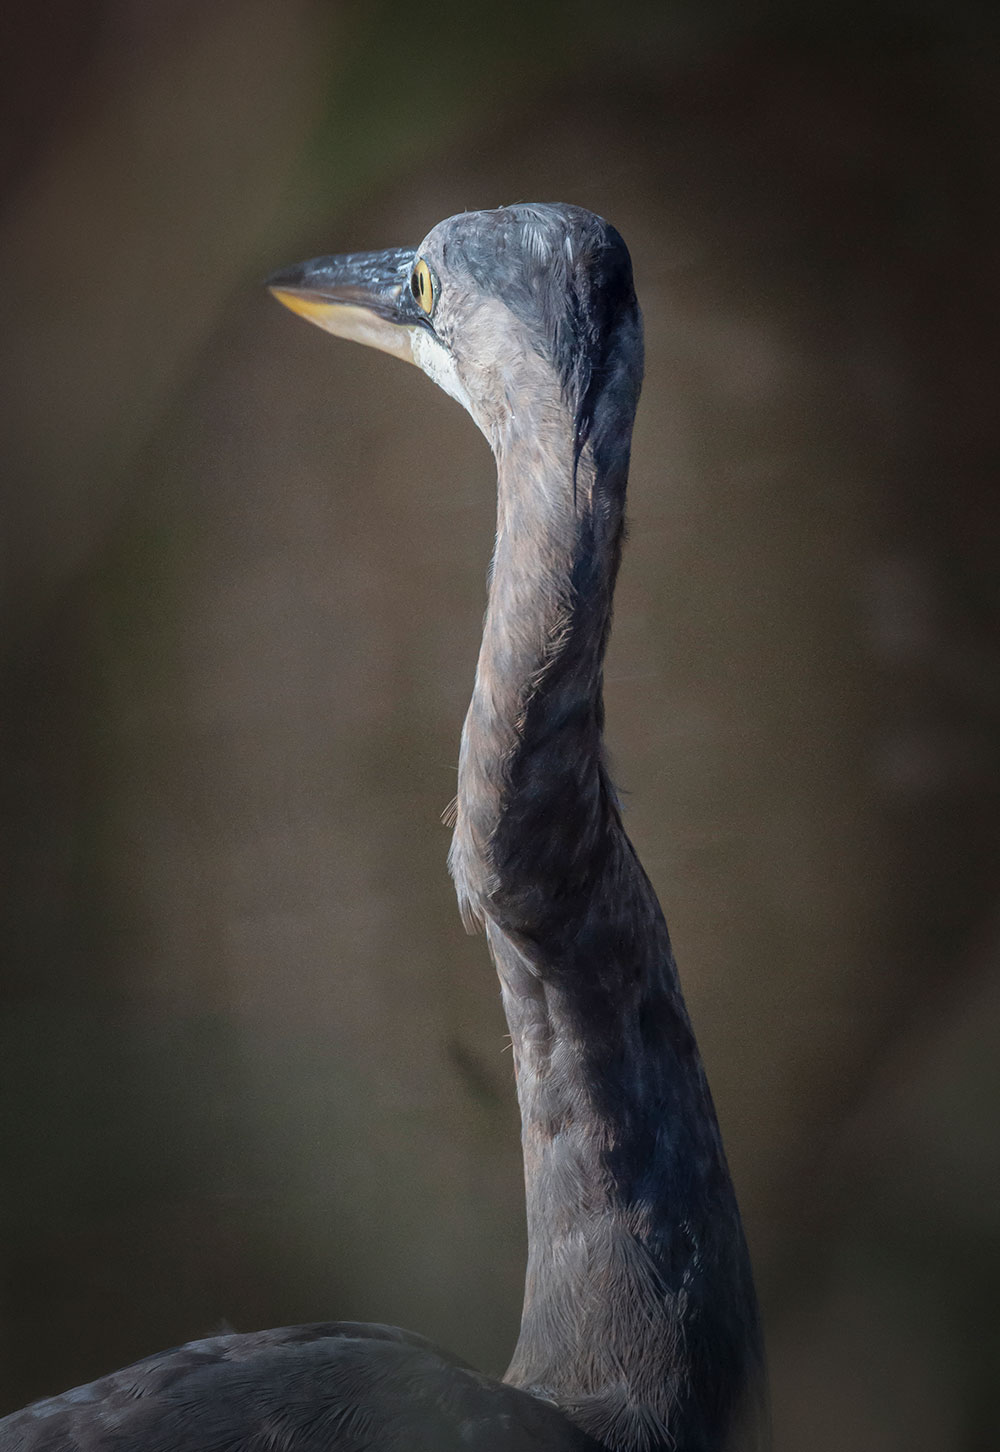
[{"x": 640, "y": 1328}]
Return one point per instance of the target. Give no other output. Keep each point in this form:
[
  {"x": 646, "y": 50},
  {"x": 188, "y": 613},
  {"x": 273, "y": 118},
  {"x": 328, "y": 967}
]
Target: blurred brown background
[{"x": 252, "y": 1070}]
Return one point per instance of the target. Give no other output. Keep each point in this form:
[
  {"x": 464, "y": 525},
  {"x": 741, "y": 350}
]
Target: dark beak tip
[{"x": 286, "y": 278}]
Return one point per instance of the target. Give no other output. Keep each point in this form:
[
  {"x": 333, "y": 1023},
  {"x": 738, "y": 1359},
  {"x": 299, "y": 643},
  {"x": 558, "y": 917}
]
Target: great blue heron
[{"x": 640, "y": 1327}]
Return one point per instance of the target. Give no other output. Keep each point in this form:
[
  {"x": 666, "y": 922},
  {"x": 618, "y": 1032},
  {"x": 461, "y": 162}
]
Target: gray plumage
[
  {"x": 640, "y": 1321},
  {"x": 307, "y": 1388}
]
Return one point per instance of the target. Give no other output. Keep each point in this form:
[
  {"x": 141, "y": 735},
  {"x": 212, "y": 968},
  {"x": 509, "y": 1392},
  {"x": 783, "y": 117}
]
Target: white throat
[{"x": 436, "y": 361}]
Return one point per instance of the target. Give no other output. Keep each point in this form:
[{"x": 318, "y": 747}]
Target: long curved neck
[{"x": 639, "y": 1315}]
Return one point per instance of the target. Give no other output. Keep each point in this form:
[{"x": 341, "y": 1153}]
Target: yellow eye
[{"x": 422, "y": 286}]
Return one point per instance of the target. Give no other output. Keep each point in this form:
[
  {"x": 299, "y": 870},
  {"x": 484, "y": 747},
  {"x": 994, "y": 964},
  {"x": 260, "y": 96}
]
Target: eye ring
[{"x": 422, "y": 286}]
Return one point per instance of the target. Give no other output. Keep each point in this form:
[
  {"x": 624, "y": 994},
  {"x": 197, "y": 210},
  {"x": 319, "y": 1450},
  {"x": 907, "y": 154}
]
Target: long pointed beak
[{"x": 364, "y": 296}]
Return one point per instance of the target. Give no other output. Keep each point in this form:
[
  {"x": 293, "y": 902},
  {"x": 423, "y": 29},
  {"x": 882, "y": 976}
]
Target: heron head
[{"x": 486, "y": 302}]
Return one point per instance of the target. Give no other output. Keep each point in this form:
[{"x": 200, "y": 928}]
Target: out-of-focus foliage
[{"x": 251, "y": 1068}]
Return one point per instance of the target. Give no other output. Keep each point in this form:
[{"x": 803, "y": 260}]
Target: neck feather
[{"x": 639, "y": 1316}]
